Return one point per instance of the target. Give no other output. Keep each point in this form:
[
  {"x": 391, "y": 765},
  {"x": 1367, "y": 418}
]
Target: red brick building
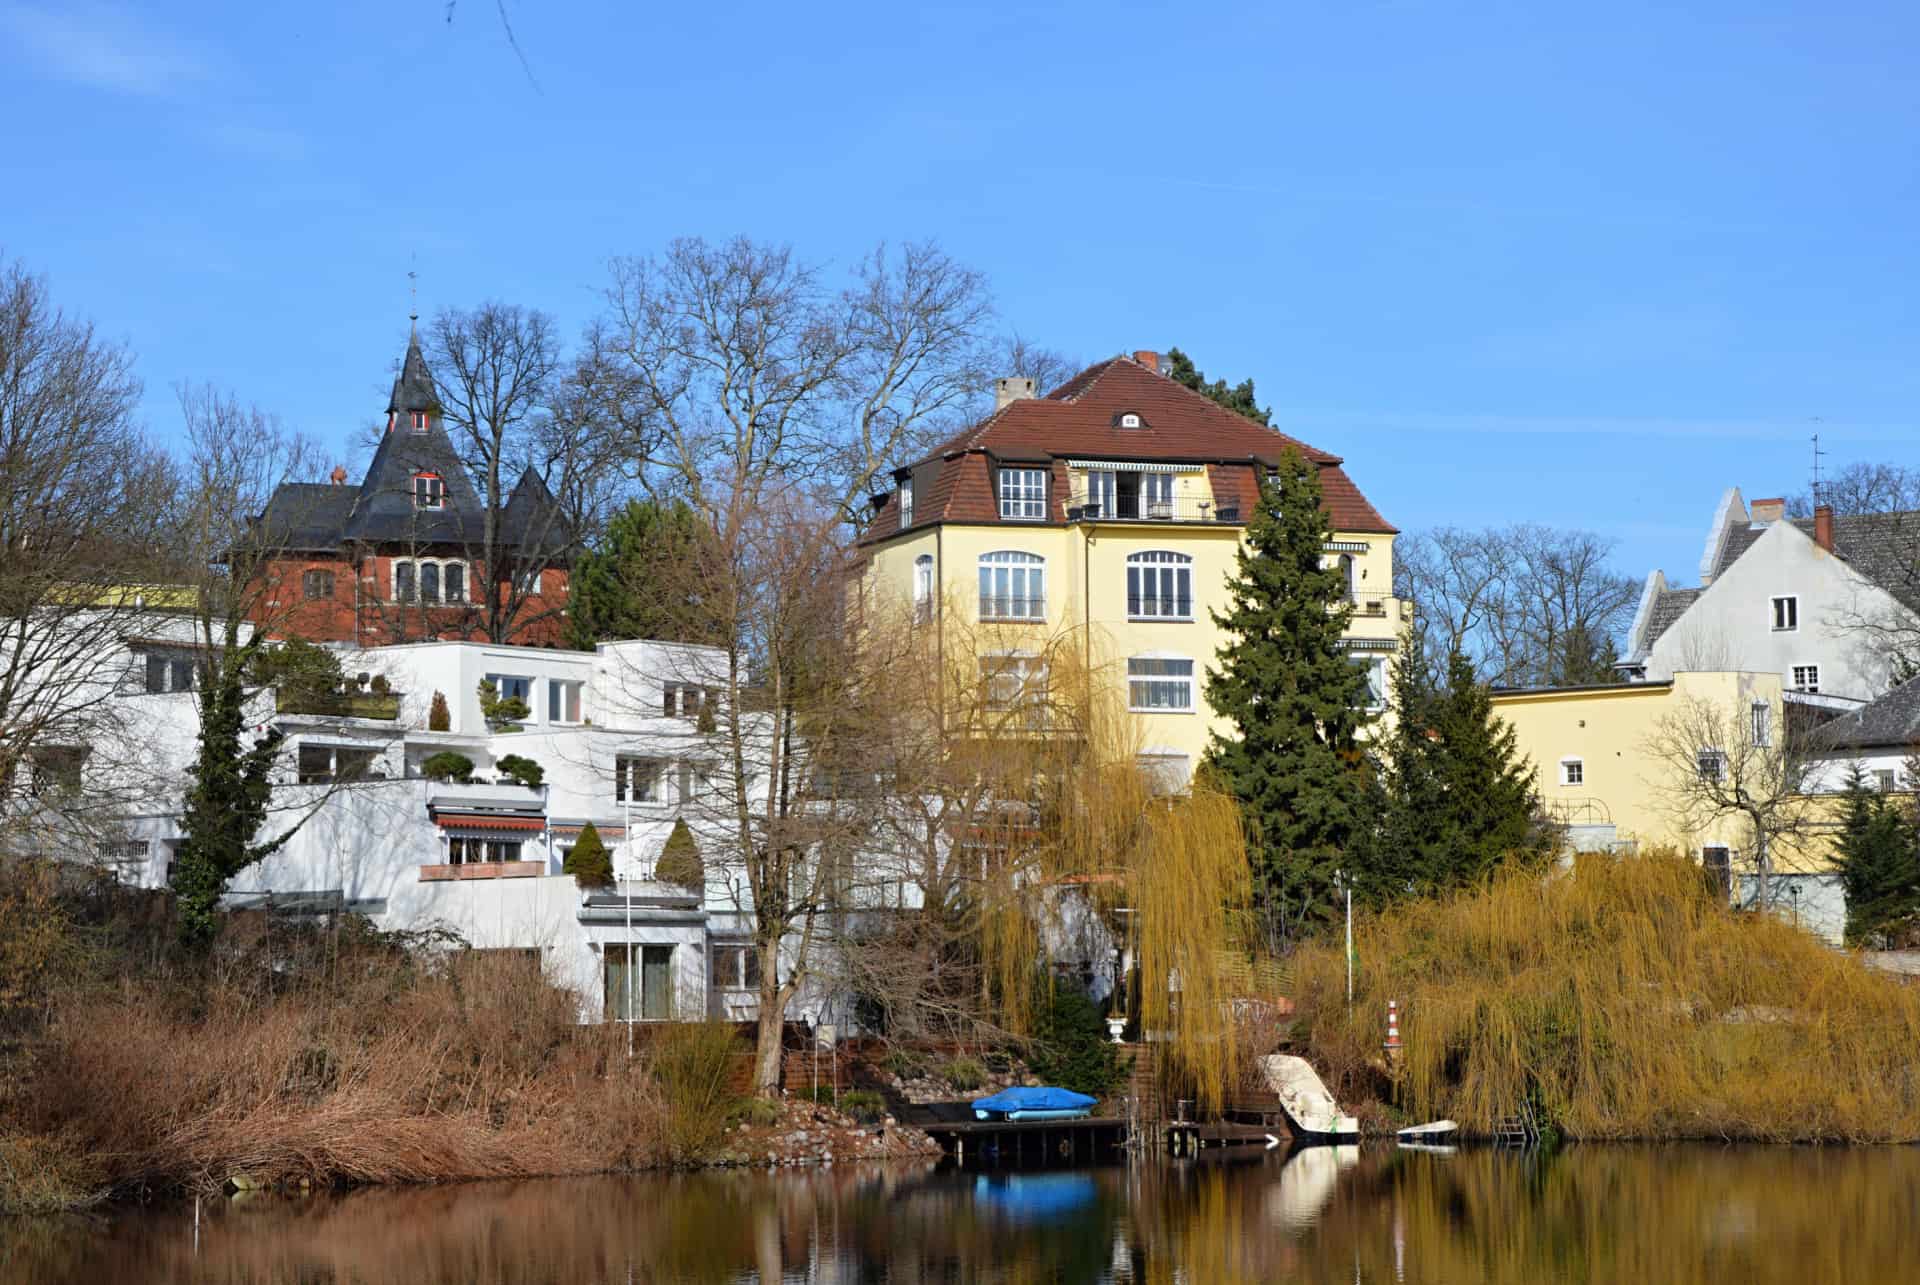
[{"x": 405, "y": 555}]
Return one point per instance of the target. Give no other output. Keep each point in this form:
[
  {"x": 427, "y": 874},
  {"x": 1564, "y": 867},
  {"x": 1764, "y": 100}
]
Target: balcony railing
[
  {"x": 379, "y": 705},
  {"x": 1134, "y": 508},
  {"x": 996, "y": 607},
  {"x": 483, "y": 870}
]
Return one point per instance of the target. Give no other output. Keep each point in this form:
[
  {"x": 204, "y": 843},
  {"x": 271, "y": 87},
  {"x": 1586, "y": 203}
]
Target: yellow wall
[
  {"x": 1611, "y": 730},
  {"x": 1095, "y": 554}
]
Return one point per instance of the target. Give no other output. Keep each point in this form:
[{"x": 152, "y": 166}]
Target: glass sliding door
[{"x": 644, "y": 995}]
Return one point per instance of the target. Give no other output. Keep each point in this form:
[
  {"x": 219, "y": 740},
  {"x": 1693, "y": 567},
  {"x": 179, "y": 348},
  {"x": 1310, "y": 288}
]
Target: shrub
[
  {"x": 500, "y": 710},
  {"x": 758, "y": 1112},
  {"x": 589, "y": 862},
  {"x": 864, "y": 1105},
  {"x": 524, "y": 770},
  {"x": 304, "y": 675},
  {"x": 690, "y": 1061},
  {"x": 379, "y": 684},
  {"x": 704, "y": 722},
  {"x": 1071, "y": 1046},
  {"x": 965, "y": 1074},
  {"x": 906, "y": 1064},
  {"x": 447, "y": 766},
  {"x": 439, "y": 718},
  {"x": 679, "y": 861}
]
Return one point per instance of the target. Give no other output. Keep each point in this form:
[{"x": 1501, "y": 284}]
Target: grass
[{"x": 1623, "y": 1002}]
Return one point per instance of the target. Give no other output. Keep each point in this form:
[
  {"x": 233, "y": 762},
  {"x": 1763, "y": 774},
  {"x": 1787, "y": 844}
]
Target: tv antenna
[{"x": 1817, "y": 453}]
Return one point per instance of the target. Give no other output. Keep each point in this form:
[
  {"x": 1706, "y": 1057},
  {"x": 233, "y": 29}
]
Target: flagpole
[{"x": 1346, "y": 886}]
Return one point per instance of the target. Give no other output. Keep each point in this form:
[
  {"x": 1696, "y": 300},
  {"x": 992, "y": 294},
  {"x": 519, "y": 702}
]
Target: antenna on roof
[
  {"x": 1817, "y": 453},
  {"x": 413, "y": 294}
]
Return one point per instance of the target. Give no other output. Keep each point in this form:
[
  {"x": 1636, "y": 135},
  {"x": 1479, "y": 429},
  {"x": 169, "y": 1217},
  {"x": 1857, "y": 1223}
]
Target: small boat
[
  {"x": 1312, "y": 1111},
  {"x": 1041, "y": 1103},
  {"x": 1434, "y": 1133}
]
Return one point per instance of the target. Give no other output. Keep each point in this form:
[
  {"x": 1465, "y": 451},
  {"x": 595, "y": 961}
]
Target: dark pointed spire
[{"x": 413, "y": 387}]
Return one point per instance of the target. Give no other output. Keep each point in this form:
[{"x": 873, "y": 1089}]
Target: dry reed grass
[{"x": 1625, "y": 1003}]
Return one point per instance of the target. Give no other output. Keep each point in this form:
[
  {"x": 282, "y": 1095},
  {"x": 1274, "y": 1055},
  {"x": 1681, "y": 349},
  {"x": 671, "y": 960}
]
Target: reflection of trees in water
[{"x": 1679, "y": 1214}]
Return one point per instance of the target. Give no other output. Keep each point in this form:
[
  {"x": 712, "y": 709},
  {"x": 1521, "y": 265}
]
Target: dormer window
[
  {"x": 1129, "y": 419},
  {"x": 429, "y": 491},
  {"x": 906, "y": 502},
  {"x": 419, "y": 421}
]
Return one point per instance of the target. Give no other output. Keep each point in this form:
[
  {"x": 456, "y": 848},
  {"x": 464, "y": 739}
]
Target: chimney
[
  {"x": 1011, "y": 388},
  {"x": 1151, "y": 360},
  {"x": 1763, "y": 512},
  {"x": 1823, "y": 527},
  {"x": 339, "y": 475}
]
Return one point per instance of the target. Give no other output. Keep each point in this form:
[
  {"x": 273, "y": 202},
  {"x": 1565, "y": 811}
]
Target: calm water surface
[{"x": 1640, "y": 1214}]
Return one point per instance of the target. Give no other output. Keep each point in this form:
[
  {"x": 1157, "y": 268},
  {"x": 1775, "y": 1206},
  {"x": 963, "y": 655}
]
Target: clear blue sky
[{"x": 1514, "y": 261}]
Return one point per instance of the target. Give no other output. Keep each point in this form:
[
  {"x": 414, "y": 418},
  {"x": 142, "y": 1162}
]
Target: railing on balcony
[
  {"x": 378, "y": 705},
  {"x": 483, "y": 870},
  {"x": 1002, "y": 607},
  {"x": 1134, "y": 508},
  {"x": 1372, "y": 608}
]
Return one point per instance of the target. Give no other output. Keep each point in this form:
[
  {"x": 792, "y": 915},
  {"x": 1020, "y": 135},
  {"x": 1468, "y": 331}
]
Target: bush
[
  {"x": 447, "y": 766},
  {"x": 864, "y": 1105},
  {"x": 964, "y": 1074},
  {"x": 906, "y": 1064},
  {"x": 679, "y": 861},
  {"x": 524, "y": 770},
  {"x": 379, "y": 684},
  {"x": 758, "y": 1112},
  {"x": 439, "y": 718},
  {"x": 589, "y": 862},
  {"x": 690, "y": 1062},
  {"x": 500, "y": 710},
  {"x": 1071, "y": 1047},
  {"x": 305, "y": 676}
]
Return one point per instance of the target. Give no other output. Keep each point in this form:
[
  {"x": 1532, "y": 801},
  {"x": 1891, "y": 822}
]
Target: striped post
[{"x": 1393, "y": 1028}]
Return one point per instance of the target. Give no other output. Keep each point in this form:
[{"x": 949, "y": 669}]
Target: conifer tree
[
  {"x": 589, "y": 862},
  {"x": 1238, "y": 399},
  {"x": 1295, "y": 699},
  {"x": 680, "y": 861},
  {"x": 1410, "y": 799},
  {"x": 227, "y": 800},
  {"x": 1879, "y": 859}
]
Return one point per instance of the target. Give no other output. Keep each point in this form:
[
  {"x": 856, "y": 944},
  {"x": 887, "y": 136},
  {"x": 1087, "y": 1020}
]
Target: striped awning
[
  {"x": 1345, "y": 546},
  {"x": 489, "y": 821},
  {"x": 1369, "y": 644},
  {"x": 1136, "y": 466}
]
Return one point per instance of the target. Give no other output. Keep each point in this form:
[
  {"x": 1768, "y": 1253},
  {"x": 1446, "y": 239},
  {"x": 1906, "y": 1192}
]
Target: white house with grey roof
[{"x": 1786, "y": 595}]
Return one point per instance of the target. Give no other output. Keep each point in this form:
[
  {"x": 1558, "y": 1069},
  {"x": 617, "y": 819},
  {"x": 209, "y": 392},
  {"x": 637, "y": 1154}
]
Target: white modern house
[
  {"x": 1792, "y": 596},
  {"x": 620, "y": 741}
]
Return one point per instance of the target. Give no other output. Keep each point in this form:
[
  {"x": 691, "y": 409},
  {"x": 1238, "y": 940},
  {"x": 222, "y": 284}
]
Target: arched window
[
  {"x": 429, "y": 582},
  {"x": 1160, "y": 586},
  {"x": 424, "y": 581},
  {"x": 1013, "y": 586},
  {"x": 923, "y": 587}
]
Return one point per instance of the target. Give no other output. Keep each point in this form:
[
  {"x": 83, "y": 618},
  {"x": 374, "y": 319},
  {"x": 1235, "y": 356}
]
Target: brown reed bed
[{"x": 1622, "y": 1001}]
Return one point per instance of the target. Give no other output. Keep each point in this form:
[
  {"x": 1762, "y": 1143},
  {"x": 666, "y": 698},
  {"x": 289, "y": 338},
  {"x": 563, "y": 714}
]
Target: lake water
[{"x": 1627, "y": 1214}]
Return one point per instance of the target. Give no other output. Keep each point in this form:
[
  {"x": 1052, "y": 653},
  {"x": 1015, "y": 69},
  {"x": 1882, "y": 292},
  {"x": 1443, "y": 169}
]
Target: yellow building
[
  {"x": 1611, "y": 763},
  {"x": 1111, "y": 509}
]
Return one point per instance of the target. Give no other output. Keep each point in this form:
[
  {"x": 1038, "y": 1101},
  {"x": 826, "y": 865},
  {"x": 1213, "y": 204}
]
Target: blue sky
[{"x": 1514, "y": 261}]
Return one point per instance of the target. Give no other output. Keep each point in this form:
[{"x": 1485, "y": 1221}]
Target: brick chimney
[
  {"x": 1763, "y": 512},
  {"x": 1011, "y": 388},
  {"x": 1823, "y": 527},
  {"x": 1151, "y": 360}
]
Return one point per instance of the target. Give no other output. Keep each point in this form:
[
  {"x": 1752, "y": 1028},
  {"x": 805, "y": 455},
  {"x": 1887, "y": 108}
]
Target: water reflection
[{"x": 1679, "y": 1214}]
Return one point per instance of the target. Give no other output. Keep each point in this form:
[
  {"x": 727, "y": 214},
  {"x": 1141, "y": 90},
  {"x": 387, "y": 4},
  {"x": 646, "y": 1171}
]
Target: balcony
[
  {"x": 995, "y": 607},
  {"x": 483, "y": 870},
  {"x": 384, "y": 706},
  {"x": 1133, "y": 508}
]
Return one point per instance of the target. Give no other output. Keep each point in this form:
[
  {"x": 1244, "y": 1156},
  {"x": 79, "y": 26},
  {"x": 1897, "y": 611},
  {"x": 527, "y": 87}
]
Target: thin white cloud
[
  {"x": 1305, "y": 422},
  {"x": 101, "y": 47}
]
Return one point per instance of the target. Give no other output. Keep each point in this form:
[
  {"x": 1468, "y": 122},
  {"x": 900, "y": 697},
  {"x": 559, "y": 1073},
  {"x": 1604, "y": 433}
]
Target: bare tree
[
  {"x": 770, "y": 401},
  {"x": 1862, "y": 487},
  {"x": 1531, "y": 605},
  {"x": 1048, "y": 368},
  {"x": 1740, "y": 758},
  {"x": 80, "y": 551},
  {"x": 1882, "y": 538}
]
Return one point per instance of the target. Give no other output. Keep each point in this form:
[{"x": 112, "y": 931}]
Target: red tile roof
[{"x": 1081, "y": 418}]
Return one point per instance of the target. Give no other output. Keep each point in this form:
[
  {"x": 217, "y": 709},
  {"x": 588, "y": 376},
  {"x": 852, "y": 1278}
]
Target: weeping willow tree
[{"x": 1034, "y": 841}]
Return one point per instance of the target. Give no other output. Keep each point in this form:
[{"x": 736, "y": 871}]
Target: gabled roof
[
  {"x": 1668, "y": 606},
  {"x": 1082, "y": 419},
  {"x": 1883, "y": 547},
  {"x": 1892, "y": 720}
]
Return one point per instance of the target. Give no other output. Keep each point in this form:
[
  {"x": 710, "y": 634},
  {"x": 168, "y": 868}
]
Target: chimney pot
[
  {"x": 1823, "y": 527},
  {"x": 339, "y": 475},
  {"x": 1762, "y": 512},
  {"x": 1011, "y": 388},
  {"x": 1151, "y": 360}
]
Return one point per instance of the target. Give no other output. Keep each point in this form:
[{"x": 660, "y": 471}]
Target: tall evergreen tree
[
  {"x": 1239, "y": 398},
  {"x": 1581, "y": 656},
  {"x": 1411, "y": 799},
  {"x": 641, "y": 579},
  {"x": 1879, "y": 859},
  {"x": 1490, "y": 810},
  {"x": 1295, "y": 699},
  {"x": 227, "y": 800}
]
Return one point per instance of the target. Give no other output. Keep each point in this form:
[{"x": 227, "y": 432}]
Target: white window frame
[
  {"x": 923, "y": 587},
  {"x": 1760, "y": 724},
  {"x": 1023, "y": 494},
  {"x": 1573, "y": 771},
  {"x": 499, "y": 682},
  {"x": 431, "y": 496},
  {"x": 1024, "y": 677},
  {"x": 624, "y": 776},
  {"x": 1786, "y": 607},
  {"x": 1008, "y": 567},
  {"x": 529, "y": 581},
  {"x": 1886, "y": 779},
  {"x": 906, "y": 502},
  {"x": 440, "y": 598},
  {"x": 1711, "y": 763},
  {"x": 1168, "y": 771},
  {"x": 1189, "y": 680},
  {"x": 1161, "y": 568},
  {"x": 556, "y": 702},
  {"x": 1810, "y": 683}
]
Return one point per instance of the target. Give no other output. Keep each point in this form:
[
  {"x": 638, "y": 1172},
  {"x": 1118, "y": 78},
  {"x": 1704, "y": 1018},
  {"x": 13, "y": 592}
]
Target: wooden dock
[{"x": 1031, "y": 1143}]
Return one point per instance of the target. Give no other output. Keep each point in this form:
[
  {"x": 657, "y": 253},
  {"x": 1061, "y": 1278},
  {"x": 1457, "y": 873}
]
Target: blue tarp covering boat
[{"x": 1040, "y": 1103}]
